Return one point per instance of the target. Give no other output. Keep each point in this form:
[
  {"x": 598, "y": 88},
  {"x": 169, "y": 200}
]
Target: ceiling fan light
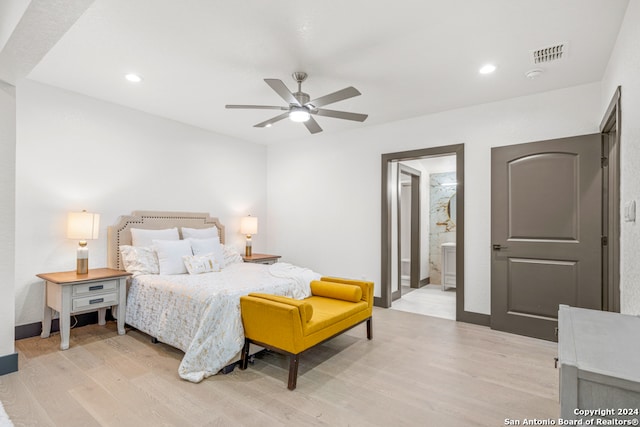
[{"x": 299, "y": 114}]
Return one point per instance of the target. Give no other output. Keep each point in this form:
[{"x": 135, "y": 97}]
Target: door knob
[{"x": 497, "y": 247}]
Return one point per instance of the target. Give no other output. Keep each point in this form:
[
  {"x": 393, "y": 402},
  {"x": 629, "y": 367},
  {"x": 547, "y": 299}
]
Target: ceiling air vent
[{"x": 548, "y": 54}]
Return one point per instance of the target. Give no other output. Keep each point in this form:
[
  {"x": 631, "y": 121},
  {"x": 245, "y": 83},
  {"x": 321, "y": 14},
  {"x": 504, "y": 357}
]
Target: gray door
[
  {"x": 546, "y": 218},
  {"x": 408, "y": 207}
]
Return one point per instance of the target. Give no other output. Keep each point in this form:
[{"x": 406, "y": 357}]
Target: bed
[{"x": 197, "y": 313}]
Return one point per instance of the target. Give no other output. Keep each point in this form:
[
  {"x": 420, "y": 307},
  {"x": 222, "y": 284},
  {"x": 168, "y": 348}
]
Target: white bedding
[{"x": 200, "y": 314}]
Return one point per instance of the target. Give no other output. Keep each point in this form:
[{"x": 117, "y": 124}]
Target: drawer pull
[
  {"x": 96, "y": 287},
  {"x": 96, "y": 301}
]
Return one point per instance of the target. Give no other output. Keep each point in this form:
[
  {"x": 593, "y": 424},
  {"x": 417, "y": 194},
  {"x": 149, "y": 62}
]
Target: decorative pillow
[
  {"x": 231, "y": 255},
  {"x": 142, "y": 237},
  {"x": 170, "y": 253},
  {"x": 197, "y": 264},
  {"x": 199, "y": 233},
  {"x": 208, "y": 246},
  {"x": 139, "y": 259},
  {"x": 333, "y": 290}
]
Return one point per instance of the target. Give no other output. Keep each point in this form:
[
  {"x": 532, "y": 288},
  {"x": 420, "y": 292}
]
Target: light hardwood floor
[
  {"x": 429, "y": 300},
  {"x": 417, "y": 371}
]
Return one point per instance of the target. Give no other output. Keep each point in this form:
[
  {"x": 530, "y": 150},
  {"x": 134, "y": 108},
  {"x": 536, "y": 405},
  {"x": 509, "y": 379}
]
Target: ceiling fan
[{"x": 300, "y": 107}]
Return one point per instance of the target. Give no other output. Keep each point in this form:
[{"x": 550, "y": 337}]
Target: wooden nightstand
[
  {"x": 71, "y": 293},
  {"x": 261, "y": 258}
]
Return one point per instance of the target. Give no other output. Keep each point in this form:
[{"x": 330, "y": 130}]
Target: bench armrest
[{"x": 275, "y": 320}]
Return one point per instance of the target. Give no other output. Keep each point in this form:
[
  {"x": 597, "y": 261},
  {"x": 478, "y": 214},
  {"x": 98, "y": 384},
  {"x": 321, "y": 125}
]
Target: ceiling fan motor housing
[{"x": 302, "y": 97}]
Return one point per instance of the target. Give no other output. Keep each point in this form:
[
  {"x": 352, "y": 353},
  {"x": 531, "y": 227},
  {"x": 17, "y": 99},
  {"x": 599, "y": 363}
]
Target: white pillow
[
  {"x": 139, "y": 259},
  {"x": 231, "y": 255},
  {"x": 199, "y": 233},
  {"x": 142, "y": 237},
  {"x": 208, "y": 246},
  {"x": 170, "y": 253},
  {"x": 197, "y": 264}
]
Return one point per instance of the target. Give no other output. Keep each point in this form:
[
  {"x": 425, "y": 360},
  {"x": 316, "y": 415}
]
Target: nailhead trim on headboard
[{"x": 120, "y": 234}]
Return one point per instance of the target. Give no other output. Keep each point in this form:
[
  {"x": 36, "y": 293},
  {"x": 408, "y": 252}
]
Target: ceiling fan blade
[
  {"x": 312, "y": 125},
  {"x": 340, "y": 95},
  {"x": 340, "y": 115},
  {"x": 257, "y": 107},
  {"x": 272, "y": 120},
  {"x": 282, "y": 90}
]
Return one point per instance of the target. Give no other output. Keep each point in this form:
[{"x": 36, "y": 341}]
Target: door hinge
[
  {"x": 605, "y": 240},
  {"x": 604, "y": 162}
]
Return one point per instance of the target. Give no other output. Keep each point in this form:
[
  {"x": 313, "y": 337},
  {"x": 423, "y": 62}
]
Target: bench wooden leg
[
  {"x": 293, "y": 371},
  {"x": 370, "y": 328},
  {"x": 244, "y": 361}
]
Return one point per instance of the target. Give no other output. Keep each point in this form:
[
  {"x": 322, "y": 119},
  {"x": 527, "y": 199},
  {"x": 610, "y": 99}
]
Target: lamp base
[
  {"x": 82, "y": 256},
  {"x": 82, "y": 266},
  {"x": 247, "y": 248}
]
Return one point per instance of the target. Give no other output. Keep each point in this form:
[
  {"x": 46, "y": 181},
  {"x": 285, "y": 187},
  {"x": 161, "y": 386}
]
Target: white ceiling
[{"x": 407, "y": 57}]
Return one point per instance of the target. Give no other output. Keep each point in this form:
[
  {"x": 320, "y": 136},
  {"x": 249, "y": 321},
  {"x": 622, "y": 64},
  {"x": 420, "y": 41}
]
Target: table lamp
[
  {"x": 82, "y": 226},
  {"x": 248, "y": 227}
]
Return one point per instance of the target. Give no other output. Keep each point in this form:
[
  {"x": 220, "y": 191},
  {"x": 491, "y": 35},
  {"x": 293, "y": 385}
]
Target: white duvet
[{"x": 200, "y": 314}]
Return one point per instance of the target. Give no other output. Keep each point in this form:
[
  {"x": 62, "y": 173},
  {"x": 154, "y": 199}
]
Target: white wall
[
  {"x": 324, "y": 191},
  {"x": 7, "y": 206},
  {"x": 624, "y": 70},
  {"x": 75, "y": 152}
]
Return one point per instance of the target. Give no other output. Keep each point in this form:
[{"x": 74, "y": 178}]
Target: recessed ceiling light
[
  {"x": 487, "y": 69},
  {"x": 133, "y": 78}
]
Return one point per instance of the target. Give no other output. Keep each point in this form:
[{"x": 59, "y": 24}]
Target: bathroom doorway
[
  {"x": 427, "y": 236},
  {"x": 440, "y": 224}
]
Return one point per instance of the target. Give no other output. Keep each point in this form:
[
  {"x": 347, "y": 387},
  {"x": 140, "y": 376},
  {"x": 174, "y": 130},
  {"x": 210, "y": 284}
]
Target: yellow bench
[{"x": 292, "y": 326}]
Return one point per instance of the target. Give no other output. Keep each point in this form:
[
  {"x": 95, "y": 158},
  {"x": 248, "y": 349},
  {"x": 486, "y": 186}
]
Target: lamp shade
[
  {"x": 249, "y": 225},
  {"x": 83, "y": 225}
]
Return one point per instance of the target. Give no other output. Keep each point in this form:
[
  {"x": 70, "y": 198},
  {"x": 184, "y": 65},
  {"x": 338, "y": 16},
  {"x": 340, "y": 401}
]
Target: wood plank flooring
[
  {"x": 429, "y": 300},
  {"x": 417, "y": 371}
]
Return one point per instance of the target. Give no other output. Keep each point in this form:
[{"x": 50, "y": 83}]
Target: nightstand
[
  {"x": 71, "y": 293},
  {"x": 261, "y": 258}
]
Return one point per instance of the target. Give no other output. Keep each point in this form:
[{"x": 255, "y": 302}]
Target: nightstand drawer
[
  {"x": 94, "y": 302},
  {"x": 95, "y": 287}
]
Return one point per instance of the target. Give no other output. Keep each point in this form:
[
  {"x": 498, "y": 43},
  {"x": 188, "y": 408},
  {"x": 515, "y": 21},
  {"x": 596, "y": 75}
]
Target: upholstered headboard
[{"x": 120, "y": 232}]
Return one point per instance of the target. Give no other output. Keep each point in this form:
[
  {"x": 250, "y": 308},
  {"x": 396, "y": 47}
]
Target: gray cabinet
[
  {"x": 448, "y": 265},
  {"x": 599, "y": 361}
]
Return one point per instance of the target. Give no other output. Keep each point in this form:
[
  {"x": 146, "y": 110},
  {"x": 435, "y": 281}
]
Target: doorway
[
  {"x": 408, "y": 202},
  {"x": 391, "y": 269},
  {"x": 610, "y": 130},
  {"x": 426, "y": 222}
]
